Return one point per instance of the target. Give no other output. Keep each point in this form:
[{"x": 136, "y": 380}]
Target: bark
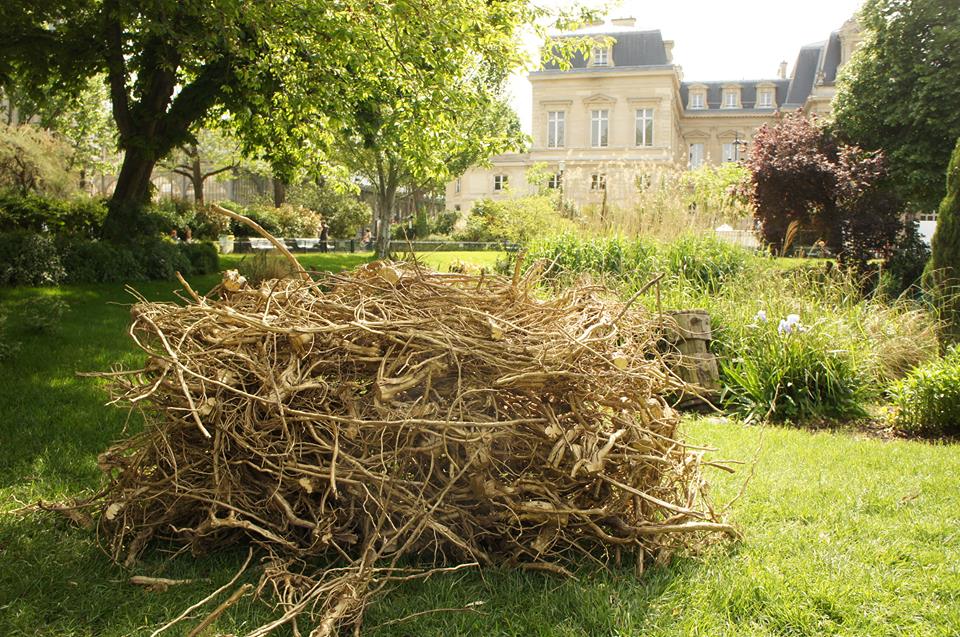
[
  {"x": 385, "y": 204},
  {"x": 197, "y": 177},
  {"x": 154, "y": 123},
  {"x": 130, "y": 195},
  {"x": 279, "y": 192},
  {"x": 387, "y": 179}
]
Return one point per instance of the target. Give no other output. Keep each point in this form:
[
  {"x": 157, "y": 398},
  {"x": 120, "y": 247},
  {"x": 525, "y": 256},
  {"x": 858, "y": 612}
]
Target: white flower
[
  {"x": 791, "y": 324},
  {"x": 761, "y": 317}
]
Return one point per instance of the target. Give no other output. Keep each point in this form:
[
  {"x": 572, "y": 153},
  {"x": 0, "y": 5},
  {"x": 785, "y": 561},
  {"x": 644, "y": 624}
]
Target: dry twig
[{"x": 394, "y": 412}]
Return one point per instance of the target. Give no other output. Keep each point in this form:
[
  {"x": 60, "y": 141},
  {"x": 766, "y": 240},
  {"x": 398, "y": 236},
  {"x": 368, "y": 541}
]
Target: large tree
[
  {"x": 283, "y": 70},
  {"x": 900, "y": 92}
]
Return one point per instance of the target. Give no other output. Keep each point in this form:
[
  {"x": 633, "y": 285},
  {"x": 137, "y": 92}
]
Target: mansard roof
[
  {"x": 816, "y": 64},
  {"x": 748, "y": 94},
  {"x": 632, "y": 48}
]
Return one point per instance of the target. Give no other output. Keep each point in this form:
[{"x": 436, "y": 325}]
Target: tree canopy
[
  {"x": 289, "y": 74},
  {"x": 421, "y": 146},
  {"x": 900, "y": 92}
]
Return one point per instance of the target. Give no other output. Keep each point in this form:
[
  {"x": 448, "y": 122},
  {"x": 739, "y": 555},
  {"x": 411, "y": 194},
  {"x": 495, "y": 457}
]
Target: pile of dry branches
[{"x": 390, "y": 412}]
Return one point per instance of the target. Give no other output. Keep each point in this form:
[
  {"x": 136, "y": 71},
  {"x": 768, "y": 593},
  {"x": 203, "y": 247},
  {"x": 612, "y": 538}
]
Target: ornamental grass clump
[
  {"x": 927, "y": 401},
  {"x": 394, "y": 413},
  {"x": 790, "y": 372}
]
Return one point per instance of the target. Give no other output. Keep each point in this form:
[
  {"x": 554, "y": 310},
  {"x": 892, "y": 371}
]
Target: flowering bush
[{"x": 791, "y": 373}]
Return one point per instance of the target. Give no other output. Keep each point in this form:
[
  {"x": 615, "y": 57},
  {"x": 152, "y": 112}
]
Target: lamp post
[{"x": 739, "y": 147}]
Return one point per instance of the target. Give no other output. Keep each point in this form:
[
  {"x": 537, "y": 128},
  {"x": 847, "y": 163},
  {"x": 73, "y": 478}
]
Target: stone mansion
[{"x": 625, "y": 110}]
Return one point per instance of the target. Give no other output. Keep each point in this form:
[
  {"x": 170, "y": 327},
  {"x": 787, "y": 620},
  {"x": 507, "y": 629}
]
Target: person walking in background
[
  {"x": 324, "y": 235},
  {"x": 367, "y": 238}
]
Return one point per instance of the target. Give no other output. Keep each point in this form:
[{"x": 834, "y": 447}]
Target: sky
[{"x": 722, "y": 39}]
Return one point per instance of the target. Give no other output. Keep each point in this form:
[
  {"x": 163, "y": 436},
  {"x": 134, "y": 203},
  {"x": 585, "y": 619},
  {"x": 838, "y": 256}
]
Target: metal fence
[{"x": 314, "y": 245}]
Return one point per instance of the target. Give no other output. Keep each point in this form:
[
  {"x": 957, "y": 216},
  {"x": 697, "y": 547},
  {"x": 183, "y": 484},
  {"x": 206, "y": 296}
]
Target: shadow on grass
[
  {"x": 55, "y": 580},
  {"x": 53, "y": 423}
]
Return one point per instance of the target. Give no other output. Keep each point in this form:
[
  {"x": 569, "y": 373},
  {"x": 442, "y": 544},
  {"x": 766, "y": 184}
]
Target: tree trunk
[
  {"x": 279, "y": 192},
  {"x": 130, "y": 195},
  {"x": 385, "y": 201},
  {"x": 197, "y": 179}
]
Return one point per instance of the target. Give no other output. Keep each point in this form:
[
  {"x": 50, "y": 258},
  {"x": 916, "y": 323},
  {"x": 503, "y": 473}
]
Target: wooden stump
[{"x": 688, "y": 334}]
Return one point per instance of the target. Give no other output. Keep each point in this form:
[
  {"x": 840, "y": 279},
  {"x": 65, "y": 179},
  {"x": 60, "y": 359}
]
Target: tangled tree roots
[{"x": 394, "y": 412}]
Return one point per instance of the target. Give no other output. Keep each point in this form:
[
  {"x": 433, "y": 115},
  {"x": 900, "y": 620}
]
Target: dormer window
[
  {"x": 599, "y": 56},
  {"x": 766, "y": 95},
  {"x": 697, "y": 99},
  {"x": 731, "y": 97}
]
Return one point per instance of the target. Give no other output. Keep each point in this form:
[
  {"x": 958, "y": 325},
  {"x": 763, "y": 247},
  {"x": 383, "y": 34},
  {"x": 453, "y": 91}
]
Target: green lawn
[
  {"x": 337, "y": 261},
  {"x": 843, "y": 535}
]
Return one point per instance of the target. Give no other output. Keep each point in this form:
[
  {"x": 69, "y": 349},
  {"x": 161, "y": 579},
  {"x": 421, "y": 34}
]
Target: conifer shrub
[{"x": 945, "y": 247}]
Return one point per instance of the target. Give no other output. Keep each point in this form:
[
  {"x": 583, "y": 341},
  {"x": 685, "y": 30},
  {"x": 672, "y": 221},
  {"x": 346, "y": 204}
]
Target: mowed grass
[
  {"x": 338, "y": 261},
  {"x": 842, "y": 535}
]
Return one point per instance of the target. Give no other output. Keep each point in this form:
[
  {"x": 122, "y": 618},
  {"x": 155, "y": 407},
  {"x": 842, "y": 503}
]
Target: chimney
[
  {"x": 668, "y": 49},
  {"x": 782, "y": 74},
  {"x": 624, "y": 22}
]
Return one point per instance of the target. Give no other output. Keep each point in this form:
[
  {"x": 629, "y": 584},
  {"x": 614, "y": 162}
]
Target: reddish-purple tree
[{"x": 833, "y": 192}]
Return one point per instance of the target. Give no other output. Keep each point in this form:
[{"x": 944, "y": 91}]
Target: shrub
[
  {"x": 705, "y": 262},
  {"x": 209, "y": 224},
  {"x": 445, "y": 222},
  {"x": 297, "y": 221},
  {"x": 801, "y": 176},
  {"x": 171, "y": 214},
  {"x": 203, "y": 257},
  {"x": 42, "y": 315},
  {"x": 179, "y": 214},
  {"x": 88, "y": 261},
  {"x": 516, "y": 220},
  {"x": 263, "y": 215},
  {"x": 161, "y": 259},
  {"x": 264, "y": 267},
  {"x": 927, "y": 401},
  {"x": 343, "y": 212},
  {"x": 788, "y": 374},
  {"x": 904, "y": 269},
  {"x": 82, "y": 216},
  {"x": 28, "y": 258}
]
